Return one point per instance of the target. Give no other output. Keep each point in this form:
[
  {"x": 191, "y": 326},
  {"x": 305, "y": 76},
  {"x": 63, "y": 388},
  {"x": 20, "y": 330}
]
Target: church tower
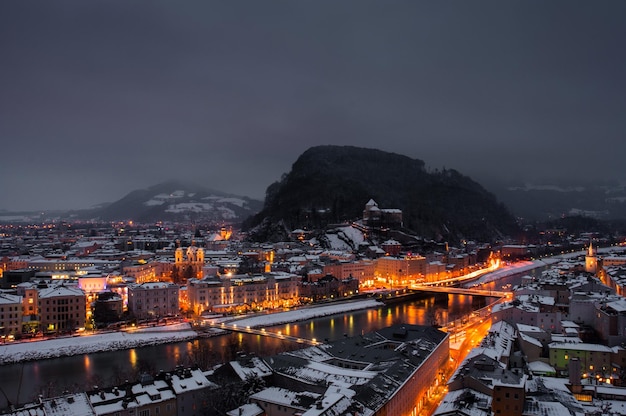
[
  {"x": 591, "y": 260},
  {"x": 178, "y": 255}
]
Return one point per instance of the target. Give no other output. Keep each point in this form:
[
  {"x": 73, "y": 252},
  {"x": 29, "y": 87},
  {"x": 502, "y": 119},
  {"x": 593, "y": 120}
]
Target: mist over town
[{"x": 312, "y": 208}]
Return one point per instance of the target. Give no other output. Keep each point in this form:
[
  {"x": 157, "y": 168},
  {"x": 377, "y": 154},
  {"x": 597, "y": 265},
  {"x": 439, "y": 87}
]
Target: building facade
[
  {"x": 142, "y": 271},
  {"x": 401, "y": 271},
  {"x": 153, "y": 300},
  {"x": 63, "y": 309},
  {"x": 10, "y": 315},
  {"x": 362, "y": 270},
  {"x": 242, "y": 292}
]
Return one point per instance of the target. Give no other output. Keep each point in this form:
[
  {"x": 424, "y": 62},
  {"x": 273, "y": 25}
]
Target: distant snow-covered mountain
[
  {"x": 551, "y": 201},
  {"x": 176, "y": 201}
]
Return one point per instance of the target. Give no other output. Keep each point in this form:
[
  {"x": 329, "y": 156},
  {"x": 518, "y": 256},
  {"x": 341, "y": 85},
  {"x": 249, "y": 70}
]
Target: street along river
[{"x": 23, "y": 382}]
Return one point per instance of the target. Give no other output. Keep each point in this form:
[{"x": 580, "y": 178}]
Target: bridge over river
[
  {"x": 249, "y": 330},
  {"x": 462, "y": 291}
]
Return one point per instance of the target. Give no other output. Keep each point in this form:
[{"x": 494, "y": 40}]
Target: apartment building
[
  {"x": 62, "y": 308},
  {"x": 220, "y": 294},
  {"x": 10, "y": 314},
  {"x": 401, "y": 271},
  {"x": 363, "y": 270},
  {"x": 153, "y": 300}
]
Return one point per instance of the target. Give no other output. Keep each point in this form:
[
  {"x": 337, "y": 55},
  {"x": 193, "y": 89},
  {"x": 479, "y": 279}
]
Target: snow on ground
[
  {"x": 189, "y": 207},
  {"x": 227, "y": 213},
  {"x": 301, "y": 314},
  {"x": 235, "y": 201},
  {"x": 507, "y": 270},
  {"x": 14, "y": 352},
  {"x": 523, "y": 266},
  {"x": 345, "y": 238},
  {"x": 337, "y": 243},
  {"x": 353, "y": 234},
  {"x": 85, "y": 344}
]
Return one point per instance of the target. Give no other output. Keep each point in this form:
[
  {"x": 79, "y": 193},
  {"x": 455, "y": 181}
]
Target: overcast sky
[{"x": 98, "y": 98}]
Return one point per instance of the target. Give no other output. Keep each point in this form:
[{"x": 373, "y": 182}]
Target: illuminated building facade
[
  {"x": 362, "y": 270},
  {"x": 374, "y": 217},
  {"x": 10, "y": 314},
  {"x": 91, "y": 284},
  {"x": 13, "y": 263},
  {"x": 153, "y": 300},
  {"x": 142, "y": 271},
  {"x": 595, "y": 359},
  {"x": 63, "y": 308},
  {"x": 188, "y": 264},
  {"x": 591, "y": 260},
  {"x": 329, "y": 287},
  {"x": 30, "y": 307},
  {"x": 242, "y": 292},
  {"x": 401, "y": 271},
  {"x": 58, "y": 265}
]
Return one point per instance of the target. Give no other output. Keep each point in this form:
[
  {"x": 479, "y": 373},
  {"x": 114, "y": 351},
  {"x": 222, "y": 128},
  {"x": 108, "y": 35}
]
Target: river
[{"x": 23, "y": 382}]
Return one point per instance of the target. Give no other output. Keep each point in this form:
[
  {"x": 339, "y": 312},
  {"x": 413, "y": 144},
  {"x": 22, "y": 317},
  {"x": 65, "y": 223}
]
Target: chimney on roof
[{"x": 574, "y": 375}]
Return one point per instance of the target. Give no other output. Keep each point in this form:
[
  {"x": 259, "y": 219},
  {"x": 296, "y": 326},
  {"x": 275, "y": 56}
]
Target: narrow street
[{"x": 462, "y": 340}]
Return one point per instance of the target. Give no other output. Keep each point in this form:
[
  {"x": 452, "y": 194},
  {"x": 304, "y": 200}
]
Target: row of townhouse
[
  {"x": 547, "y": 331},
  {"x": 508, "y": 374},
  {"x": 561, "y": 316},
  {"x": 50, "y": 309},
  {"x": 399, "y": 270},
  {"x": 583, "y": 299},
  {"x": 55, "y": 307},
  {"x": 58, "y": 306}
]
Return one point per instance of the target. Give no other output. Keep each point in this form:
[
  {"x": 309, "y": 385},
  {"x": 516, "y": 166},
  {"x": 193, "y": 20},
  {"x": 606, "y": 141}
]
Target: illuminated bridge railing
[
  {"x": 462, "y": 291},
  {"x": 262, "y": 332}
]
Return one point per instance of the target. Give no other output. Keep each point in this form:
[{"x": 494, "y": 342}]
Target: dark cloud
[{"x": 98, "y": 98}]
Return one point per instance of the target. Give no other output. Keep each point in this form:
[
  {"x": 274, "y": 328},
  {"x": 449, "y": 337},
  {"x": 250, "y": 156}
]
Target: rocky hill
[{"x": 332, "y": 184}]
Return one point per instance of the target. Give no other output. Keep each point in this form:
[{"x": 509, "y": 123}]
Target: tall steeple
[{"x": 591, "y": 261}]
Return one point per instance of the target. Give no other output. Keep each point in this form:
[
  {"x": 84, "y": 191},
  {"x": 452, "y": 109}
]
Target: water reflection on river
[{"x": 23, "y": 382}]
